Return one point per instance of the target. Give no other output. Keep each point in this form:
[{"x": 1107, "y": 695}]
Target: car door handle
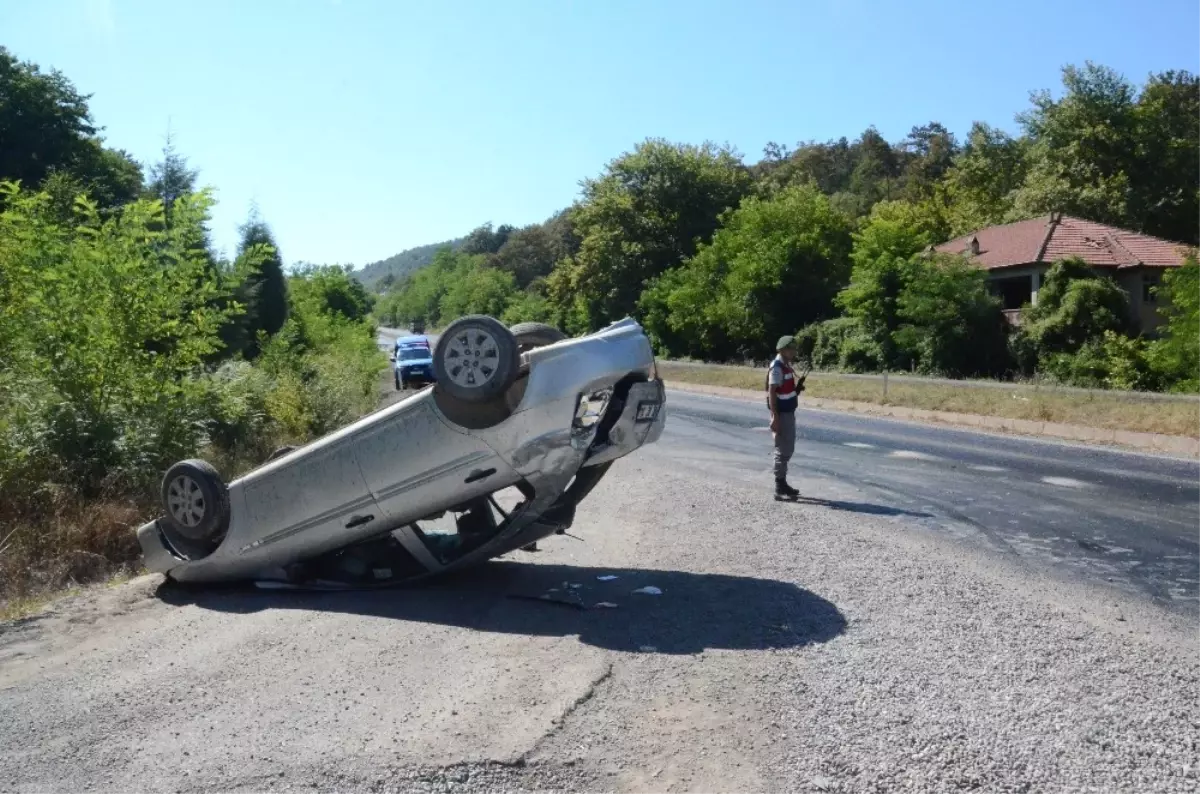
[
  {"x": 358, "y": 521},
  {"x": 479, "y": 474}
]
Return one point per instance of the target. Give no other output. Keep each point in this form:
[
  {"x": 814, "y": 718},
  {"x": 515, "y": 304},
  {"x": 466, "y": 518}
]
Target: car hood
[{"x": 415, "y": 362}]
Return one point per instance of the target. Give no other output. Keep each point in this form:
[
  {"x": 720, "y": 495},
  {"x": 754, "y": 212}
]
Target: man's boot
[{"x": 784, "y": 491}]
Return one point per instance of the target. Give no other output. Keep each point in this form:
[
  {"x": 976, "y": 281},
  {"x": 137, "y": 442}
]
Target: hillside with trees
[
  {"x": 383, "y": 274},
  {"x": 127, "y": 343},
  {"x": 718, "y": 256}
]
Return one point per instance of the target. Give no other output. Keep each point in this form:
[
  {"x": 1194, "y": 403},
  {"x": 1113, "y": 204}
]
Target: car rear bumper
[
  {"x": 422, "y": 375},
  {"x": 155, "y": 554},
  {"x": 641, "y": 422}
]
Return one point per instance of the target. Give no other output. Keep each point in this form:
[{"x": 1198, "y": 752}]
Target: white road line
[
  {"x": 858, "y": 445},
  {"x": 908, "y": 453},
  {"x": 1065, "y": 482},
  {"x": 993, "y": 469}
]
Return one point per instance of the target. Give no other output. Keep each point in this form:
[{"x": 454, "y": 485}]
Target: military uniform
[{"x": 782, "y": 377}]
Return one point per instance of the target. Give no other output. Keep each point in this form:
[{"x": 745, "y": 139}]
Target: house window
[
  {"x": 1149, "y": 284},
  {"x": 1014, "y": 292}
]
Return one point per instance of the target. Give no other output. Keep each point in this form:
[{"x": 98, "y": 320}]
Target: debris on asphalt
[
  {"x": 605, "y": 605},
  {"x": 649, "y": 590},
  {"x": 648, "y": 649},
  {"x": 607, "y": 577}
]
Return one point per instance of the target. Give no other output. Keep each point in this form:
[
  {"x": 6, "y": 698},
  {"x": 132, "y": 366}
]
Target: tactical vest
[{"x": 786, "y": 393}]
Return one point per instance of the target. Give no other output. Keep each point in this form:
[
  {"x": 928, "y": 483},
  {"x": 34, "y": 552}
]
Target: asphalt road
[
  {"x": 1123, "y": 518},
  {"x": 892, "y": 632},
  {"x": 1127, "y": 519}
]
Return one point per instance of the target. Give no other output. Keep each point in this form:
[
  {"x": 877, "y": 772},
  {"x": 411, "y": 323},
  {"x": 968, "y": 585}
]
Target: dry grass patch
[
  {"x": 72, "y": 543},
  {"x": 1107, "y": 411}
]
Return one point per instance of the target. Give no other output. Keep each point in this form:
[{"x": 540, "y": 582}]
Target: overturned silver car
[{"x": 523, "y": 411}]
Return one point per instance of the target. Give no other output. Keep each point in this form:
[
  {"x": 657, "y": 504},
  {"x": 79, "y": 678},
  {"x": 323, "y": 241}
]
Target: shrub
[{"x": 111, "y": 328}]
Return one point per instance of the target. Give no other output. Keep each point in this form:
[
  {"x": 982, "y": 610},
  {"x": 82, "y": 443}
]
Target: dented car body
[{"x": 544, "y": 420}]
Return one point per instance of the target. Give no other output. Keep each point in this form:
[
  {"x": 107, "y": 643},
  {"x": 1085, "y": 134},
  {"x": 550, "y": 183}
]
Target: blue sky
[{"x": 364, "y": 127}]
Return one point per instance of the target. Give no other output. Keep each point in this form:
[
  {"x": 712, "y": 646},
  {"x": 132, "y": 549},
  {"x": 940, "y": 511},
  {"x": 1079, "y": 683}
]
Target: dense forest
[
  {"x": 126, "y": 343},
  {"x": 718, "y": 257}
]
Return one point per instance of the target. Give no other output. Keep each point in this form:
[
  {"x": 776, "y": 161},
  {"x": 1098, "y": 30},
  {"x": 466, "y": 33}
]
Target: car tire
[
  {"x": 279, "y": 453},
  {"x": 396, "y": 377},
  {"x": 196, "y": 501},
  {"x": 476, "y": 359},
  {"x": 531, "y": 335}
]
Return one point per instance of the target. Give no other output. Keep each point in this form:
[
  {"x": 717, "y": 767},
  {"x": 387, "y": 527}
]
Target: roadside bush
[
  {"x": 1175, "y": 358},
  {"x": 110, "y": 337},
  {"x": 1112, "y": 361},
  {"x": 839, "y": 344}
]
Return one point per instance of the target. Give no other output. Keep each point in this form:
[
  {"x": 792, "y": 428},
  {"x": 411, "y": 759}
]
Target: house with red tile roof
[{"x": 1017, "y": 256}]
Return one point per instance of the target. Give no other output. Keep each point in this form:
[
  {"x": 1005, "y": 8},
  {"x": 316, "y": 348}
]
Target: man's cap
[{"x": 785, "y": 341}]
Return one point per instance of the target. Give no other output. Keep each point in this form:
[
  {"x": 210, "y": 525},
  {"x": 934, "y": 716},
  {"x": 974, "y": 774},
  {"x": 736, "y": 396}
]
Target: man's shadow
[
  {"x": 694, "y": 611},
  {"x": 859, "y": 507}
]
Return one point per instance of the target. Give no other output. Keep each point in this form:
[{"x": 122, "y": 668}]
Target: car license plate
[{"x": 647, "y": 411}]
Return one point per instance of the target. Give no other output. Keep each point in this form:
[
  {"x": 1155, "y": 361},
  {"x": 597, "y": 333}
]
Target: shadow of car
[{"x": 694, "y": 612}]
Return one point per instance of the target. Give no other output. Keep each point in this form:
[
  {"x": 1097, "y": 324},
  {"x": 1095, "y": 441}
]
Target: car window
[{"x": 413, "y": 353}]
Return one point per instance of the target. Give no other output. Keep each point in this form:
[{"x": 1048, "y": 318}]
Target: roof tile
[{"x": 1041, "y": 240}]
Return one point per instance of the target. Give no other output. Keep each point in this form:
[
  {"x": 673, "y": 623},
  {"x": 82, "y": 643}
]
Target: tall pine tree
[{"x": 264, "y": 288}]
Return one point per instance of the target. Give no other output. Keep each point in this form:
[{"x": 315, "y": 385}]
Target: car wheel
[
  {"x": 531, "y": 335},
  {"x": 279, "y": 453},
  {"x": 396, "y": 377},
  {"x": 196, "y": 500},
  {"x": 476, "y": 359}
]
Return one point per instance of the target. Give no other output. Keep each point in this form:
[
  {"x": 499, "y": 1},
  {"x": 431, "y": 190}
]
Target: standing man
[{"x": 783, "y": 391}]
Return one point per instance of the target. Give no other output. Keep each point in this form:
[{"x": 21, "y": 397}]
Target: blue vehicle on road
[{"x": 413, "y": 361}]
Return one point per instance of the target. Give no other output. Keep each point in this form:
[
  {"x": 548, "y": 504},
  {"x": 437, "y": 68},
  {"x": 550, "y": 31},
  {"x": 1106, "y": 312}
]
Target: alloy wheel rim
[
  {"x": 185, "y": 500},
  {"x": 472, "y": 357}
]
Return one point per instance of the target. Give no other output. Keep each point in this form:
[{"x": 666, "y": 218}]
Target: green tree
[
  {"x": 263, "y": 289},
  {"x": 529, "y": 305},
  {"x": 774, "y": 265},
  {"x": 46, "y": 128},
  {"x": 528, "y": 253},
  {"x": 1065, "y": 329},
  {"x": 476, "y": 289},
  {"x": 420, "y": 295},
  {"x": 981, "y": 185},
  {"x": 1082, "y": 147},
  {"x": 1166, "y": 201},
  {"x": 171, "y": 177},
  {"x": 563, "y": 238},
  {"x": 645, "y": 215},
  {"x": 950, "y": 323},
  {"x": 483, "y": 240},
  {"x": 329, "y": 289},
  {"x": 884, "y": 265},
  {"x": 830, "y": 164},
  {"x": 929, "y": 152},
  {"x": 877, "y": 172},
  {"x": 1176, "y": 356},
  {"x": 111, "y": 384}
]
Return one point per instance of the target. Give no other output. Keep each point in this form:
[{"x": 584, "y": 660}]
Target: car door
[
  {"x": 415, "y": 464},
  {"x": 314, "y": 502}
]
